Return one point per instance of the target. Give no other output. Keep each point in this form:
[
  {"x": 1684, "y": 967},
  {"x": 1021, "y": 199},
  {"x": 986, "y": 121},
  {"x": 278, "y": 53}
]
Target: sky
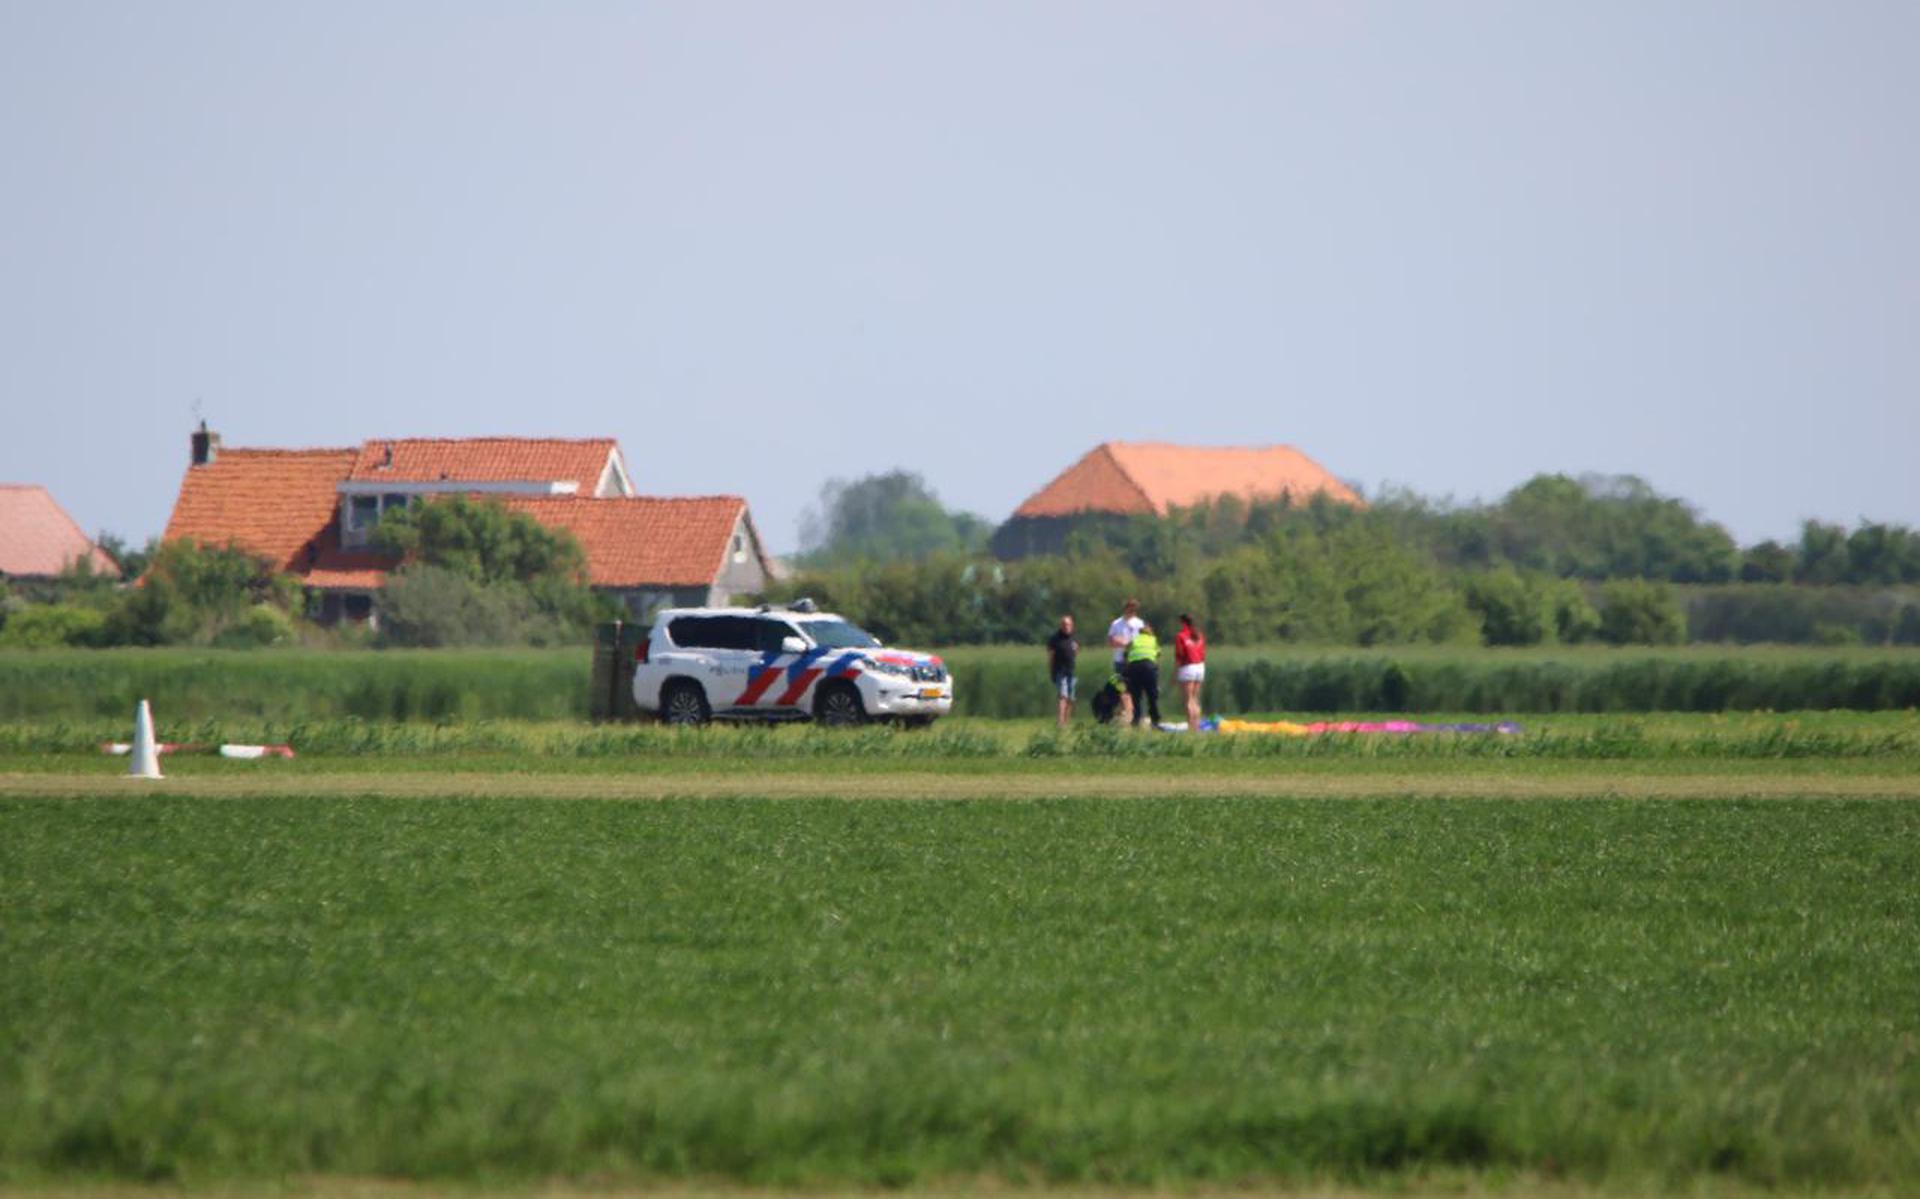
[{"x": 1441, "y": 246}]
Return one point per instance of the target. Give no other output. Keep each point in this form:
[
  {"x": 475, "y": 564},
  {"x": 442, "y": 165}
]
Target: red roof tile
[
  {"x": 484, "y": 460},
  {"x": 275, "y": 503},
  {"x": 1151, "y": 477},
  {"x": 636, "y": 541},
  {"x": 337, "y": 569},
  {"x": 284, "y": 505},
  {"x": 37, "y": 537}
]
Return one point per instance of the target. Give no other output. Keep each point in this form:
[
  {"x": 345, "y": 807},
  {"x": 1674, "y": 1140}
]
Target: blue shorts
[{"x": 1066, "y": 686}]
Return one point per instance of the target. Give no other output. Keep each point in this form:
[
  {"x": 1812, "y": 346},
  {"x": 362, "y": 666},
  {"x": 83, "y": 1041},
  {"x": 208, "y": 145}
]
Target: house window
[
  {"x": 739, "y": 548},
  {"x": 364, "y": 512}
]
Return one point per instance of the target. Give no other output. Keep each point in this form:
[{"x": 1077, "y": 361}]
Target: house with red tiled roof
[
  {"x": 312, "y": 512},
  {"x": 661, "y": 551},
  {"x": 38, "y": 540},
  {"x": 1119, "y": 479}
]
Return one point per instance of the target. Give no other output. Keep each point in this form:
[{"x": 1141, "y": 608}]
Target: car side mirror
[{"x": 792, "y": 645}]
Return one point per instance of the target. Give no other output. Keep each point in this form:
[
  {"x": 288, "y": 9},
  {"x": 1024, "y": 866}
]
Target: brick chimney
[{"x": 206, "y": 445}]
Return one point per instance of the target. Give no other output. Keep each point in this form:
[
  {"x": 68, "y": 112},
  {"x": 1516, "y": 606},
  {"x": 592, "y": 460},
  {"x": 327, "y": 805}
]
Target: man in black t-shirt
[{"x": 1062, "y": 654}]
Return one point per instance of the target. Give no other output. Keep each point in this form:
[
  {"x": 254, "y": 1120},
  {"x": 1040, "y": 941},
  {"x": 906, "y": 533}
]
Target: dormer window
[
  {"x": 739, "y": 548},
  {"x": 365, "y": 511}
]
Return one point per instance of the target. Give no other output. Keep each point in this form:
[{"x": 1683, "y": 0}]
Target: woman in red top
[{"x": 1190, "y": 667}]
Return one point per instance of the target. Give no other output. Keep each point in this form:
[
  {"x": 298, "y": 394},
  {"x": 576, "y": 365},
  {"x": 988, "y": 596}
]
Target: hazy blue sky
[{"x": 1444, "y": 245}]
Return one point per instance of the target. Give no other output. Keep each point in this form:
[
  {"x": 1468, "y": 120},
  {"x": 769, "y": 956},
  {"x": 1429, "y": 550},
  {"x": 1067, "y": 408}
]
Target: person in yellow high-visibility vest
[{"x": 1143, "y": 675}]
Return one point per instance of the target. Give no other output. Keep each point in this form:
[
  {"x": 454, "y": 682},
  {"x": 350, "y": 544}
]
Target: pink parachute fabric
[{"x": 1288, "y": 728}]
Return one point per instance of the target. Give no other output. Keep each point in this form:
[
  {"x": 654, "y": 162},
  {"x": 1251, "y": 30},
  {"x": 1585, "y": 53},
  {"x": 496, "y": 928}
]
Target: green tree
[
  {"x": 1609, "y": 526},
  {"x": 884, "y": 518},
  {"x": 1514, "y": 609},
  {"x": 478, "y": 573},
  {"x": 1528, "y": 608},
  {"x": 1823, "y": 554},
  {"x": 194, "y": 594},
  {"x": 1395, "y": 595},
  {"x": 1575, "y": 620},
  {"x": 1640, "y": 612},
  {"x": 131, "y": 561},
  {"x": 481, "y": 540},
  {"x": 1882, "y": 553},
  {"x": 1766, "y": 562}
]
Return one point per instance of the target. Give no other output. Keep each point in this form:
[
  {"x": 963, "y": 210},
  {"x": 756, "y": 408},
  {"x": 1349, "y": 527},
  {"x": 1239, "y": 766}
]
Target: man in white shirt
[{"x": 1119, "y": 637}]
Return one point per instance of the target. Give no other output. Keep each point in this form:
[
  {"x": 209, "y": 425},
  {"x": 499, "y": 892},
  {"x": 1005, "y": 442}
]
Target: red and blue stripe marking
[{"x": 799, "y": 674}]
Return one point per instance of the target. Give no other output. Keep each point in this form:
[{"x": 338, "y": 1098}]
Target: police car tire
[
  {"x": 683, "y": 702},
  {"x": 839, "y": 705}
]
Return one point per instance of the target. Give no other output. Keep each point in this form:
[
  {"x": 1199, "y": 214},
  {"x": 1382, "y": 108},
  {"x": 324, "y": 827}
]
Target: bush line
[{"x": 469, "y": 685}]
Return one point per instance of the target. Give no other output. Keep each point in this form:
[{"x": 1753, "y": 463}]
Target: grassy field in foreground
[
  {"x": 1164, "y": 991},
  {"x": 1886, "y": 737}
]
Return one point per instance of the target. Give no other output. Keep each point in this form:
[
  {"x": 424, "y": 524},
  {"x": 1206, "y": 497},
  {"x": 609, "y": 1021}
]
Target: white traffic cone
[{"x": 145, "y": 763}]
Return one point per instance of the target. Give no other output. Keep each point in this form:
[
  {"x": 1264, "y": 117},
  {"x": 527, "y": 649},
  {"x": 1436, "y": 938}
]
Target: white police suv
[{"x": 793, "y": 663}]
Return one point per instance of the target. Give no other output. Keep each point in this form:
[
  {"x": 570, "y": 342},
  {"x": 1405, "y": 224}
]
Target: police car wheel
[
  {"x": 840, "y": 706},
  {"x": 684, "y": 703}
]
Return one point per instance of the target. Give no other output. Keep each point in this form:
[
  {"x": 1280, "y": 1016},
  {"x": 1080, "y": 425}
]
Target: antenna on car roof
[{"x": 803, "y": 604}]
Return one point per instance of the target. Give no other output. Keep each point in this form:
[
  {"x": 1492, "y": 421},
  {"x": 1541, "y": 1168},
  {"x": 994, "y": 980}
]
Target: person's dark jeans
[{"x": 1143, "y": 684}]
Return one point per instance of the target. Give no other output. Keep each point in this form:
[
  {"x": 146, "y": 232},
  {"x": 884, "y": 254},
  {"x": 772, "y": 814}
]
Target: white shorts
[{"x": 1191, "y": 674}]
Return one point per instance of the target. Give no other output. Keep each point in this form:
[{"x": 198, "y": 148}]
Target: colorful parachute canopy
[{"x": 1288, "y": 728}]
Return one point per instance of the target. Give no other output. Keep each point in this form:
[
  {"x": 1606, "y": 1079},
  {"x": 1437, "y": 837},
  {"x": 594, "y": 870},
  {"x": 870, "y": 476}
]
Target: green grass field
[
  {"x": 1669, "y": 953},
  {"x": 458, "y": 686}
]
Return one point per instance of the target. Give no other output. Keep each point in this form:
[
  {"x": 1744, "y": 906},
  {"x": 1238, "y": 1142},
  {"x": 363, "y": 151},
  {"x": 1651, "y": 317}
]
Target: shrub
[
  {"x": 1514, "y": 609},
  {"x": 1906, "y": 631},
  {"x": 196, "y": 594},
  {"x": 434, "y": 606},
  {"x": 264, "y": 625},
  {"x": 1637, "y": 612},
  {"x": 1575, "y": 620},
  {"x": 42, "y": 626},
  {"x": 1797, "y": 613}
]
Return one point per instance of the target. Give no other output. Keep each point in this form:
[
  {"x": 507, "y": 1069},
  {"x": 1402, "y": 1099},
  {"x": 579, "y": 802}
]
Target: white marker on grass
[{"x": 145, "y": 763}]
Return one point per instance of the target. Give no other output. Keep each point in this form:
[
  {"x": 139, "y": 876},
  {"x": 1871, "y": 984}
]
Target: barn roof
[
  {"x": 1152, "y": 477},
  {"x": 37, "y": 537}
]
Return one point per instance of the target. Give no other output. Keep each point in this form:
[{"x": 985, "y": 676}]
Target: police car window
[
  {"x": 838, "y": 634},
  {"x": 771, "y": 633},
  {"x": 734, "y": 632},
  {"x": 692, "y": 632}
]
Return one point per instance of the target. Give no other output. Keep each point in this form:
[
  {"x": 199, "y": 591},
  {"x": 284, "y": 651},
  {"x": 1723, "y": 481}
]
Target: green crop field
[
  {"x": 442, "y": 686},
  {"x": 1610, "y": 954}
]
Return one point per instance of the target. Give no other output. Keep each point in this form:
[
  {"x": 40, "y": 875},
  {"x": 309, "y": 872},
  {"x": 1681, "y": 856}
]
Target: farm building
[
  {"x": 1121, "y": 479},
  {"x": 311, "y": 513},
  {"x": 38, "y": 540}
]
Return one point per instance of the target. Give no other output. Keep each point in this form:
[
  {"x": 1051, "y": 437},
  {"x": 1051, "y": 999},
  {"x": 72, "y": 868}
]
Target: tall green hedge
[
  {"x": 462, "y": 685},
  {"x": 1006, "y": 682}
]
